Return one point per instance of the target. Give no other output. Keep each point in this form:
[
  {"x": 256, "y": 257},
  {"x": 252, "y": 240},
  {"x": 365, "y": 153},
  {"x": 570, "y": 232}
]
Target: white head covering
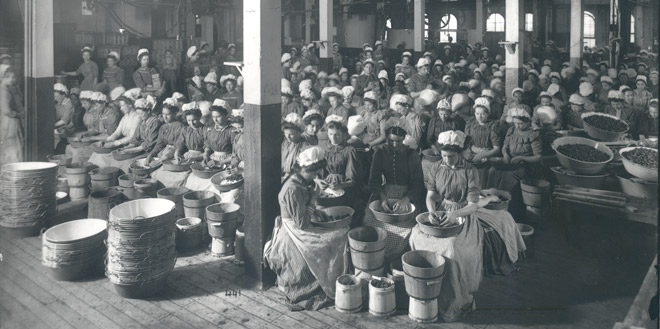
[
  {"x": 177, "y": 95},
  {"x": 553, "y": 89},
  {"x": 61, "y": 88},
  {"x": 142, "y": 51},
  {"x": 615, "y": 94},
  {"x": 483, "y": 102},
  {"x": 343, "y": 70},
  {"x": 170, "y": 101},
  {"x": 221, "y": 103},
  {"x": 546, "y": 114},
  {"x": 204, "y": 107},
  {"x": 285, "y": 57},
  {"x": 114, "y": 55},
  {"x": 152, "y": 101},
  {"x": 287, "y": 91},
  {"x": 331, "y": 91},
  {"x": 517, "y": 112},
  {"x": 133, "y": 93},
  {"x": 116, "y": 92},
  {"x": 356, "y": 125},
  {"x": 399, "y": 98},
  {"x": 422, "y": 62},
  {"x": 307, "y": 94},
  {"x": 311, "y": 112},
  {"x": 198, "y": 81},
  {"x": 225, "y": 78},
  {"x": 189, "y": 106},
  {"x": 428, "y": 97},
  {"x": 305, "y": 84},
  {"x": 452, "y": 137},
  {"x": 444, "y": 104},
  {"x": 99, "y": 97},
  {"x": 142, "y": 104},
  {"x": 586, "y": 89},
  {"x": 237, "y": 113},
  {"x": 335, "y": 118},
  {"x": 191, "y": 51},
  {"x": 85, "y": 94},
  {"x": 211, "y": 77},
  {"x": 311, "y": 156},
  {"x": 322, "y": 75},
  {"x": 576, "y": 99},
  {"x": 285, "y": 83},
  {"x": 294, "y": 118},
  {"x": 370, "y": 95},
  {"x": 348, "y": 91},
  {"x": 488, "y": 93},
  {"x": 382, "y": 75},
  {"x": 400, "y": 77}
]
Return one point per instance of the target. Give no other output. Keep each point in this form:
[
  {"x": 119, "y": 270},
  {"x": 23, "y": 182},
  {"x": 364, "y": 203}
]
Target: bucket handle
[{"x": 41, "y": 233}]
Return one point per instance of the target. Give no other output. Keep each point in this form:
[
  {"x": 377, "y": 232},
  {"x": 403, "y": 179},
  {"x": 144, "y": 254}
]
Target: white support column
[
  {"x": 262, "y": 32},
  {"x": 481, "y": 22},
  {"x": 207, "y": 29},
  {"x": 326, "y": 28},
  {"x": 577, "y": 15},
  {"x": 515, "y": 15},
  {"x": 308, "y": 21},
  {"x": 39, "y": 71},
  {"x": 419, "y": 9}
]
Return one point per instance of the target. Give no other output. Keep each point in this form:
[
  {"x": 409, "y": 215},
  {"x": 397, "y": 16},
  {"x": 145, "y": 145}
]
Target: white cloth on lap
[
  {"x": 106, "y": 160},
  {"x": 170, "y": 178}
]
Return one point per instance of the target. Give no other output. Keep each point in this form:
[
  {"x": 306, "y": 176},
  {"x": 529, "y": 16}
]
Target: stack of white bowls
[{"x": 141, "y": 246}]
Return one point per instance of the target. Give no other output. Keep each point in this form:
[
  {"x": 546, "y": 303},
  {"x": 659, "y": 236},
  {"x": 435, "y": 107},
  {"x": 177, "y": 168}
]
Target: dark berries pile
[
  {"x": 643, "y": 157},
  {"x": 606, "y": 123},
  {"x": 582, "y": 152},
  {"x": 380, "y": 284}
]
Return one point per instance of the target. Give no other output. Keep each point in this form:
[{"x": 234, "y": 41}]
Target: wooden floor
[{"x": 563, "y": 286}]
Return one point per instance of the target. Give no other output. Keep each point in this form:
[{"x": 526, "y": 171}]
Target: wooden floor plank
[
  {"x": 18, "y": 315},
  {"x": 103, "y": 313}
]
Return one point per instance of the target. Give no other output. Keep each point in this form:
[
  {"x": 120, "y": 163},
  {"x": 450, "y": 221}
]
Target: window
[
  {"x": 529, "y": 22},
  {"x": 495, "y": 23},
  {"x": 589, "y": 32},
  {"x": 426, "y": 27},
  {"x": 450, "y": 28},
  {"x": 632, "y": 29}
]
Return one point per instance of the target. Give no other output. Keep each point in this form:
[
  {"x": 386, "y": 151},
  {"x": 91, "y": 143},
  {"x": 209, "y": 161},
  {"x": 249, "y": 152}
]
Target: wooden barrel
[
  {"x": 395, "y": 273},
  {"x": 103, "y": 178},
  {"x": 101, "y": 202},
  {"x": 535, "y": 192},
  {"x": 62, "y": 161},
  {"x": 423, "y": 311},
  {"x": 78, "y": 192},
  {"x": 348, "y": 294},
  {"x": 222, "y": 246},
  {"x": 367, "y": 246},
  {"x": 174, "y": 194},
  {"x": 78, "y": 174},
  {"x": 195, "y": 203},
  {"x": 423, "y": 273},
  {"x": 382, "y": 301}
]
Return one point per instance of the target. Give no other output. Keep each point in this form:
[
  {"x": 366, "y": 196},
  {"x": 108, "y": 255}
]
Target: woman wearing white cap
[
  {"x": 484, "y": 141},
  {"x": 193, "y": 63},
  {"x": 653, "y": 83},
  {"x": 11, "y": 129},
  {"x": 109, "y": 119},
  {"x": 335, "y": 98},
  {"x": 617, "y": 109},
  {"x": 168, "y": 134},
  {"x": 304, "y": 58},
  {"x": 190, "y": 143},
  {"x": 212, "y": 91},
  {"x": 443, "y": 120},
  {"x": 367, "y": 76},
  {"x": 420, "y": 80},
  {"x": 373, "y": 118},
  {"x": 307, "y": 259},
  {"x": 647, "y": 123},
  {"x": 113, "y": 75},
  {"x": 342, "y": 170},
  {"x": 517, "y": 96},
  {"x": 129, "y": 123},
  {"x": 195, "y": 87},
  {"x": 313, "y": 122},
  {"x": 144, "y": 75},
  {"x": 642, "y": 95},
  {"x": 146, "y": 136},
  {"x": 217, "y": 139},
  {"x": 289, "y": 105},
  {"x": 573, "y": 111},
  {"x": 63, "y": 109},
  {"x": 292, "y": 144},
  {"x": 88, "y": 69},
  {"x": 405, "y": 67},
  {"x": 522, "y": 148}
]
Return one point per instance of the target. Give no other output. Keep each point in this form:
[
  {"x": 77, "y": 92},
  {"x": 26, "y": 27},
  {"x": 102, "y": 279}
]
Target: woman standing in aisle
[
  {"x": 11, "y": 129},
  {"x": 143, "y": 76},
  {"x": 113, "y": 75},
  {"x": 88, "y": 69}
]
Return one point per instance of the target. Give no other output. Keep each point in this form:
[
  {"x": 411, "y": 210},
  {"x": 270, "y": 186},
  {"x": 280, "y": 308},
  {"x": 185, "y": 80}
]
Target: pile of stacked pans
[
  {"x": 27, "y": 196},
  {"x": 141, "y": 246},
  {"x": 75, "y": 249}
]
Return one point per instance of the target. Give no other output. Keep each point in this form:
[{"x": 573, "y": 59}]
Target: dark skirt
[{"x": 496, "y": 259}]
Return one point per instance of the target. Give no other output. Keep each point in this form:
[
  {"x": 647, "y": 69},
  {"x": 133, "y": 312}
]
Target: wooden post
[
  {"x": 538, "y": 12},
  {"x": 515, "y": 33},
  {"x": 39, "y": 66},
  {"x": 419, "y": 9},
  {"x": 207, "y": 29},
  {"x": 577, "y": 26},
  {"x": 308, "y": 21},
  {"x": 262, "y": 23},
  {"x": 625, "y": 10},
  {"x": 326, "y": 27}
]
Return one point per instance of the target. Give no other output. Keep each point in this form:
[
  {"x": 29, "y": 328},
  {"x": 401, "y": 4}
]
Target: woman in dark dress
[
  {"x": 190, "y": 143},
  {"x": 484, "y": 141},
  {"x": 88, "y": 69},
  {"x": 404, "y": 182},
  {"x": 443, "y": 120},
  {"x": 307, "y": 259},
  {"x": 147, "y": 133},
  {"x": 168, "y": 135},
  {"x": 143, "y": 76}
]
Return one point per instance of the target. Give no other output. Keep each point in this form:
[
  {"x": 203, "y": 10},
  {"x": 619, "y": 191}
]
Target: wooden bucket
[
  {"x": 78, "y": 174},
  {"x": 348, "y": 294},
  {"x": 527, "y": 233},
  {"x": 423, "y": 273},
  {"x": 101, "y": 202},
  {"x": 395, "y": 273},
  {"x": 174, "y": 194},
  {"x": 222, "y": 246},
  {"x": 367, "y": 247},
  {"x": 423, "y": 311},
  {"x": 189, "y": 233},
  {"x": 382, "y": 301},
  {"x": 103, "y": 178},
  {"x": 535, "y": 192},
  {"x": 78, "y": 192},
  {"x": 195, "y": 203}
]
